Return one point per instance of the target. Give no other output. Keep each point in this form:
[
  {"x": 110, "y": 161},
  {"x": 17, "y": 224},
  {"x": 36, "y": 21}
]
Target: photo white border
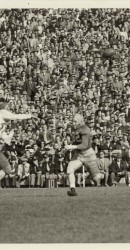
[
  {"x": 8, "y": 4},
  {"x": 77, "y": 246},
  {"x": 64, "y": 4}
]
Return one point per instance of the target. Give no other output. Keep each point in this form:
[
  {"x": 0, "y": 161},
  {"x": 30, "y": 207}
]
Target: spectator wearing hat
[
  {"x": 96, "y": 144},
  {"x": 48, "y": 171},
  {"x": 23, "y": 173},
  {"x": 36, "y": 150},
  {"x": 108, "y": 146},
  {"x": 37, "y": 162},
  {"x": 61, "y": 169},
  {"x": 103, "y": 165},
  {"x": 12, "y": 175},
  {"x": 33, "y": 171},
  {"x": 124, "y": 127},
  {"x": 118, "y": 169},
  {"x": 115, "y": 142},
  {"x": 12, "y": 147},
  {"x": 30, "y": 88}
]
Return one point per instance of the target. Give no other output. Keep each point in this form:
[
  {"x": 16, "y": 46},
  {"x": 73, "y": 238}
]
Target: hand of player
[
  {"x": 26, "y": 174},
  {"x": 34, "y": 116},
  {"x": 59, "y": 176},
  {"x": 102, "y": 172},
  {"x": 68, "y": 147},
  {"x": 120, "y": 173}
]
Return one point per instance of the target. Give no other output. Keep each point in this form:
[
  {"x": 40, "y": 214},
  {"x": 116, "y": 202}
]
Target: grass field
[{"x": 96, "y": 215}]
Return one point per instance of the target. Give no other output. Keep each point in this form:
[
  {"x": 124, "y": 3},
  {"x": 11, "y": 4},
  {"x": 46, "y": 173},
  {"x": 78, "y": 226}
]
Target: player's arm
[
  {"x": 85, "y": 144},
  {"x": 70, "y": 147},
  {"x": 11, "y": 116}
]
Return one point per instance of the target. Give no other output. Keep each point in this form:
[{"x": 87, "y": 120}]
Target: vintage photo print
[{"x": 64, "y": 124}]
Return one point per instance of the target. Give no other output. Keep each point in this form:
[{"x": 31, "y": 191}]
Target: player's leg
[
  {"x": 32, "y": 180},
  {"x": 43, "y": 180},
  {"x": 106, "y": 178},
  {"x": 97, "y": 179},
  {"x": 94, "y": 172},
  {"x": 113, "y": 178},
  {"x": 5, "y": 167},
  {"x": 38, "y": 179},
  {"x": 72, "y": 167},
  {"x": 65, "y": 178},
  {"x": 2, "y": 174},
  {"x": 91, "y": 163},
  {"x": 79, "y": 178},
  {"x": 14, "y": 181},
  {"x": 127, "y": 178}
]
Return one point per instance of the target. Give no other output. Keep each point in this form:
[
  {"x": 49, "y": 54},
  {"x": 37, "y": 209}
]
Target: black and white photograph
[{"x": 64, "y": 125}]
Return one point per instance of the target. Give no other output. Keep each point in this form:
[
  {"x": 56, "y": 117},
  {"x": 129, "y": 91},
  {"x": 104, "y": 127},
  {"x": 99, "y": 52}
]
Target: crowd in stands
[{"x": 53, "y": 64}]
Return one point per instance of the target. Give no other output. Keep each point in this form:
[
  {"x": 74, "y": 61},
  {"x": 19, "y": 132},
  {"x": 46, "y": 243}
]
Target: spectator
[
  {"x": 118, "y": 170},
  {"x": 108, "y": 146},
  {"x": 103, "y": 164},
  {"x": 48, "y": 171},
  {"x": 53, "y": 66},
  {"x": 23, "y": 174},
  {"x": 96, "y": 144},
  {"x": 33, "y": 171},
  {"x": 61, "y": 170},
  {"x": 12, "y": 175}
]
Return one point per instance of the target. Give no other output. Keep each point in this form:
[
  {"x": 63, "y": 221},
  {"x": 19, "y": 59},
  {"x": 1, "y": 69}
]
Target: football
[{"x": 108, "y": 53}]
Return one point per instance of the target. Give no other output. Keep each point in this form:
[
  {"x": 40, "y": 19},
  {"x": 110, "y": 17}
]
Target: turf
[{"x": 96, "y": 215}]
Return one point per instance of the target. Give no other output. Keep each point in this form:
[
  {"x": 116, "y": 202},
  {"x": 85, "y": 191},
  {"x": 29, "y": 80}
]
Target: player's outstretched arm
[
  {"x": 11, "y": 116},
  {"x": 70, "y": 147}
]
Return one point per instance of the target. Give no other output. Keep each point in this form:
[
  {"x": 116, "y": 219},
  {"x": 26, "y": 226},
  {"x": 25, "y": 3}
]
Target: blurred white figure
[{"x": 5, "y": 115}]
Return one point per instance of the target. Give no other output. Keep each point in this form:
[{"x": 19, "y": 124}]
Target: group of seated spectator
[
  {"x": 46, "y": 170},
  {"x": 113, "y": 169},
  {"x": 53, "y": 64}
]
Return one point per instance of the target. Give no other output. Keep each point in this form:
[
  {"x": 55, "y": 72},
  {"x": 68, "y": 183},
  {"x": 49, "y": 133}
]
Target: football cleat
[{"x": 72, "y": 192}]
